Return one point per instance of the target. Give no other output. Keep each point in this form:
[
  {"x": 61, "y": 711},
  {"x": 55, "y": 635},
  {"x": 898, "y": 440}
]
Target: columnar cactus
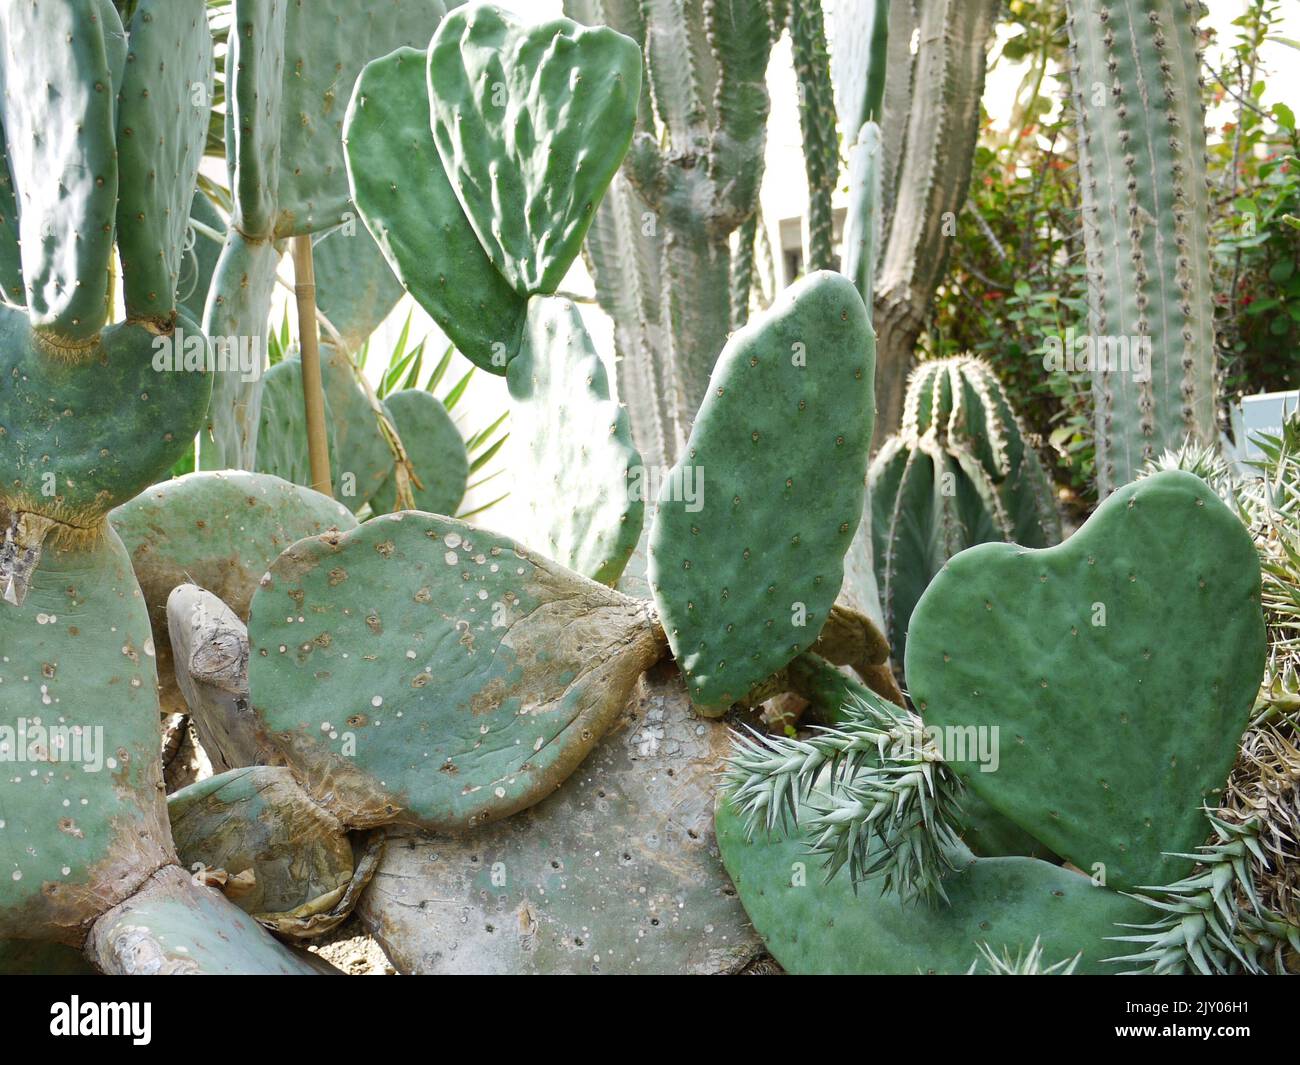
[
  {"x": 659, "y": 249},
  {"x": 930, "y": 121},
  {"x": 1136, "y": 79},
  {"x": 821, "y": 146},
  {"x": 958, "y": 473}
]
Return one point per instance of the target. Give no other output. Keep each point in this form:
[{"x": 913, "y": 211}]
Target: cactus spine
[{"x": 1146, "y": 226}]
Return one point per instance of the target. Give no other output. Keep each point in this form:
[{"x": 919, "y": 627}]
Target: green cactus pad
[
  {"x": 816, "y": 928},
  {"x": 81, "y": 818},
  {"x": 199, "y": 257},
  {"x": 235, "y": 317},
  {"x": 221, "y": 531},
  {"x": 55, "y": 77},
  {"x": 162, "y": 126},
  {"x": 282, "y": 429},
  {"x": 1119, "y": 668},
  {"x": 617, "y": 872},
  {"x": 409, "y": 206},
  {"x": 363, "y": 460},
  {"x": 255, "y": 113},
  {"x": 326, "y": 43},
  {"x": 575, "y": 471},
  {"x": 435, "y": 448},
  {"x": 418, "y": 669},
  {"x": 779, "y": 448},
  {"x": 531, "y": 123},
  {"x": 288, "y": 861},
  {"x": 360, "y": 460},
  {"x": 78, "y": 435},
  {"x": 355, "y": 286},
  {"x": 174, "y": 927}
]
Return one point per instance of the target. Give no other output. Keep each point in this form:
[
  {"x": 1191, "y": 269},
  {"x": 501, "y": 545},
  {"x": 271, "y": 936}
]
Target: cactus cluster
[
  {"x": 1102, "y": 747},
  {"x": 470, "y": 741},
  {"x": 958, "y": 473}
]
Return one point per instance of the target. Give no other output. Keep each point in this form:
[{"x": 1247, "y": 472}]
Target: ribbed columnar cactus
[
  {"x": 821, "y": 147},
  {"x": 958, "y": 473},
  {"x": 930, "y": 122},
  {"x": 1137, "y": 93},
  {"x": 659, "y": 249},
  {"x": 859, "y": 65}
]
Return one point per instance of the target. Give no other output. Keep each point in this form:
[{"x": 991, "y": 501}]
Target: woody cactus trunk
[{"x": 1142, "y": 159}]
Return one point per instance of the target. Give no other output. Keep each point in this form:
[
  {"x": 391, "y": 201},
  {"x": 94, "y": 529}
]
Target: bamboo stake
[{"x": 313, "y": 393}]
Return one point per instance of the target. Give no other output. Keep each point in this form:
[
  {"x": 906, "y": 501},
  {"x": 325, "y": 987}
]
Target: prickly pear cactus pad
[
  {"x": 1118, "y": 670},
  {"x": 239, "y": 301},
  {"x": 747, "y": 548},
  {"x": 418, "y": 669},
  {"x": 364, "y": 459},
  {"x": 617, "y": 872},
  {"x": 531, "y": 124},
  {"x": 355, "y": 286},
  {"x": 409, "y": 206},
  {"x": 812, "y": 927},
  {"x": 326, "y": 43},
  {"x": 82, "y": 823},
  {"x": 162, "y": 124},
  {"x": 175, "y": 927},
  {"x": 221, "y": 531},
  {"x": 81, "y": 433},
  {"x": 282, "y": 425},
  {"x": 435, "y": 448},
  {"x": 283, "y": 859},
  {"x": 575, "y": 491},
  {"x": 55, "y": 76}
]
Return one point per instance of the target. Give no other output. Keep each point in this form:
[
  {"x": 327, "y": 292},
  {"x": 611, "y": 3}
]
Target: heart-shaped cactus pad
[{"x": 1095, "y": 692}]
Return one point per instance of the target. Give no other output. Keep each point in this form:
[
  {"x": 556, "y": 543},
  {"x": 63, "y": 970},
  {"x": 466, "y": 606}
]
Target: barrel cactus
[{"x": 958, "y": 473}]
